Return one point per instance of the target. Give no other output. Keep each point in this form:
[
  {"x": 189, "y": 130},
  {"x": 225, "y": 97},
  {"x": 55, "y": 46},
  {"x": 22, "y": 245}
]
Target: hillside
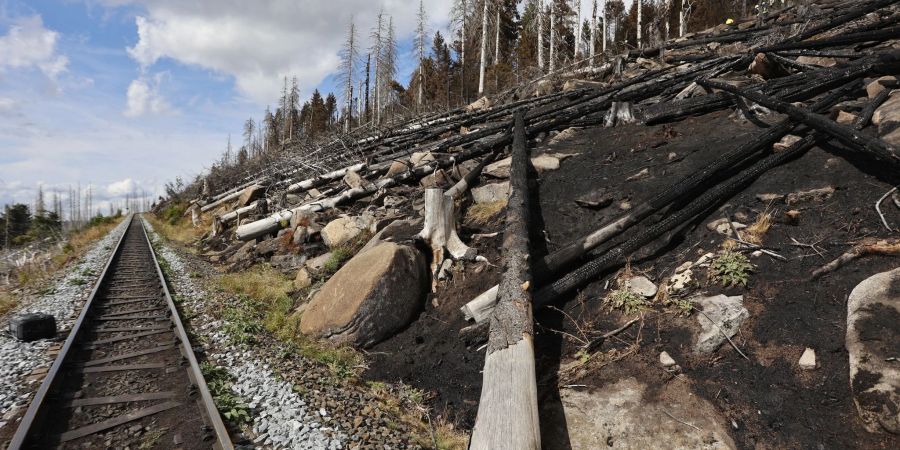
[{"x": 709, "y": 253}]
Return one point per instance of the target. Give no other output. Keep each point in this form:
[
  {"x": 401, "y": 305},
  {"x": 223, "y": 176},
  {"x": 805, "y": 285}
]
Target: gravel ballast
[
  {"x": 281, "y": 418},
  {"x": 63, "y": 300}
]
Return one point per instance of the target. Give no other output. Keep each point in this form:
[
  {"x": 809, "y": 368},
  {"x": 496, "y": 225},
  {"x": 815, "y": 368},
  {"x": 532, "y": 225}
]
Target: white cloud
[
  {"x": 259, "y": 44},
  {"x": 122, "y": 188},
  {"x": 143, "y": 96},
  {"x": 7, "y": 104},
  {"x": 29, "y": 45}
]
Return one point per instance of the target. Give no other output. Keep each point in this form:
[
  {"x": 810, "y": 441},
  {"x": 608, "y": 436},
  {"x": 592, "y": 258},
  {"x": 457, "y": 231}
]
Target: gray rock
[
  {"x": 287, "y": 262},
  {"x": 490, "y": 193},
  {"x": 343, "y": 229},
  {"x": 626, "y": 415},
  {"x": 873, "y": 336},
  {"x": 642, "y": 286},
  {"x": 316, "y": 264},
  {"x": 727, "y": 315}
]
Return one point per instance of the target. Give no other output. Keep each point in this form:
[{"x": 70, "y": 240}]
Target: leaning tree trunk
[{"x": 508, "y": 410}]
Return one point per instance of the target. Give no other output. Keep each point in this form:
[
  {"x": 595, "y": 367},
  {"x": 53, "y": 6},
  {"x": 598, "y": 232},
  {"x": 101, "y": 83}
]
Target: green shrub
[{"x": 731, "y": 269}]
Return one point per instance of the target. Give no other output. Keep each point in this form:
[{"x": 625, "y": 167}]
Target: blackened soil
[{"x": 767, "y": 401}]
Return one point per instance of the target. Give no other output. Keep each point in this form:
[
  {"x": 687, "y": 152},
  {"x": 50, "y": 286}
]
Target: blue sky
[{"x": 128, "y": 94}]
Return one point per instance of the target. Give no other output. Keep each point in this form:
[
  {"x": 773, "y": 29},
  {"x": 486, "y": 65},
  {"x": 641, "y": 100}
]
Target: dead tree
[
  {"x": 874, "y": 147},
  {"x": 508, "y": 409},
  {"x": 481, "y": 307}
]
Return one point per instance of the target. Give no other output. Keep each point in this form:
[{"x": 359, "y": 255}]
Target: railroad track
[{"x": 126, "y": 376}]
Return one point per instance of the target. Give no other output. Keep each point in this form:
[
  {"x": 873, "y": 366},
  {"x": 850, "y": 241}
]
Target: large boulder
[
  {"x": 873, "y": 343},
  {"x": 722, "y": 315},
  {"x": 376, "y": 293},
  {"x": 628, "y": 414}
]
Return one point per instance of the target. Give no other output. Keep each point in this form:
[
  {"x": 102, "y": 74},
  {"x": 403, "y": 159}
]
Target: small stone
[
  {"x": 642, "y": 286},
  {"x": 792, "y": 217},
  {"x": 785, "y": 143},
  {"x": 875, "y": 87},
  {"x": 808, "y": 359},
  {"x": 597, "y": 199},
  {"x": 644, "y": 173},
  {"x": 722, "y": 227},
  {"x": 302, "y": 280},
  {"x": 666, "y": 360},
  {"x": 845, "y": 118}
]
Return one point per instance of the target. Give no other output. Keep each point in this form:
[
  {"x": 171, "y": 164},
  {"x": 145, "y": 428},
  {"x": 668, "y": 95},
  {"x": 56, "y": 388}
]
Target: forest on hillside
[{"x": 494, "y": 45}]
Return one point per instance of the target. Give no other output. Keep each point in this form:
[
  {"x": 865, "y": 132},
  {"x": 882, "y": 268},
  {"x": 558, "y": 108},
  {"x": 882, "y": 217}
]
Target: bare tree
[
  {"x": 420, "y": 42},
  {"x": 683, "y": 16},
  {"x": 552, "y": 36},
  {"x": 497, "y": 34},
  {"x": 249, "y": 133},
  {"x": 592, "y": 47},
  {"x": 605, "y": 29},
  {"x": 348, "y": 57},
  {"x": 540, "y": 34},
  {"x": 484, "y": 27},
  {"x": 459, "y": 15},
  {"x": 639, "y": 24},
  {"x": 39, "y": 202},
  {"x": 577, "y": 32},
  {"x": 389, "y": 62},
  {"x": 377, "y": 38}
]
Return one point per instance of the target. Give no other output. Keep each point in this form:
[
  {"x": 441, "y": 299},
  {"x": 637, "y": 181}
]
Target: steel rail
[{"x": 209, "y": 405}]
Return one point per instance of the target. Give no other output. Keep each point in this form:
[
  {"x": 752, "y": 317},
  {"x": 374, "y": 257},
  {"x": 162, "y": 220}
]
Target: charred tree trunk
[
  {"x": 508, "y": 410},
  {"x": 481, "y": 307},
  {"x": 874, "y": 147}
]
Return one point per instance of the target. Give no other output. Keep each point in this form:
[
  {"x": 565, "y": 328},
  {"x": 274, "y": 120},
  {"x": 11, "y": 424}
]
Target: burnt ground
[{"x": 769, "y": 400}]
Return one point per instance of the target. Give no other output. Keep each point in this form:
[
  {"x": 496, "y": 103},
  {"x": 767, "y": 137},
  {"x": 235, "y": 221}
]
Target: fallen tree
[
  {"x": 481, "y": 307},
  {"x": 508, "y": 409}
]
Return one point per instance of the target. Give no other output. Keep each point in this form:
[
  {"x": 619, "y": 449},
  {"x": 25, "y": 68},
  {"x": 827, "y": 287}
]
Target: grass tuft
[
  {"x": 485, "y": 213},
  {"x": 755, "y": 232}
]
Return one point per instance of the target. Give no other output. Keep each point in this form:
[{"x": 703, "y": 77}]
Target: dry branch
[{"x": 867, "y": 247}]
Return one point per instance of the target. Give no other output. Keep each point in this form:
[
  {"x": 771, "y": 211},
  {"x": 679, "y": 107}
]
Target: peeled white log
[
  {"x": 233, "y": 215},
  {"x": 509, "y": 392},
  {"x": 231, "y": 195},
  {"x": 280, "y": 219},
  {"x": 481, "y": 307},
  {"x": 321, "y": 179}
]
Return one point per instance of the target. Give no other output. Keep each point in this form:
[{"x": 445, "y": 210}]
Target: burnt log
[
  {"x": 508, "y": 409},
  {"x": 871, "y": 146}
]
